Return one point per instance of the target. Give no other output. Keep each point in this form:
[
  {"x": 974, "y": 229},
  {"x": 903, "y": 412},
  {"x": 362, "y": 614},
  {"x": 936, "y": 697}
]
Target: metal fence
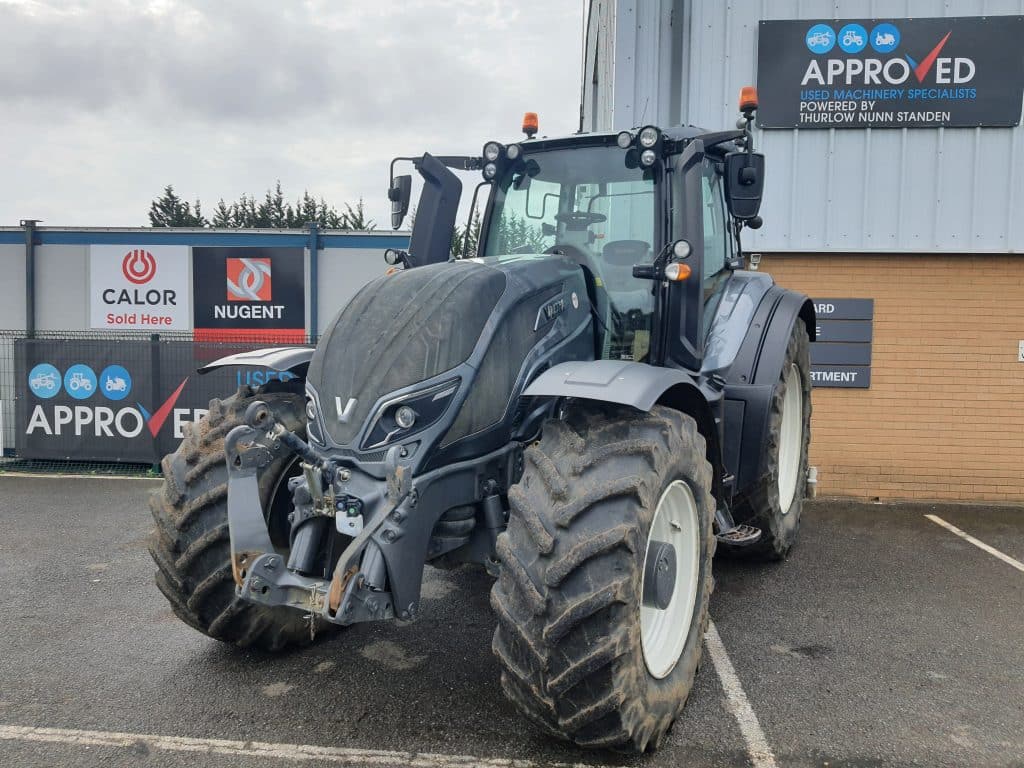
[{"x": 119, "y": 397}]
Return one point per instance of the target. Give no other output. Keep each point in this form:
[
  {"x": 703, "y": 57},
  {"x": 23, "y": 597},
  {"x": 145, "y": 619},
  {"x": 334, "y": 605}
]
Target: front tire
[
  {"x": 191, "y": 544},
  {"x": 579, "y": 655}
]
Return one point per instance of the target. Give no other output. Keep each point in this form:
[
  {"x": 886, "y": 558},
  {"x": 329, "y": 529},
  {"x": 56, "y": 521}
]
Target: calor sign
[{"x": 135, "y": 287}]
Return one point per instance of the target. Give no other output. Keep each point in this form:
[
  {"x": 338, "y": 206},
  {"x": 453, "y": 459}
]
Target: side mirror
[
  {"x": 399, "y": 194},
  {"x": 744, "y": 183}
]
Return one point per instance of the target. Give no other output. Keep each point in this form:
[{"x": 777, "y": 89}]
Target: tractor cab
[{"x": 648, "y": 214}]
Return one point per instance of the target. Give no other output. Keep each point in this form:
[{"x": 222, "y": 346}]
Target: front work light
[
  {"x": 648, "y": 137},
  {"x": 513, "y": 151},
  {"x": 492, "y": 151},
  {"x": 624, "y": 139},
  {"x": 490, "y": 171},
  {"x": 647, "y": 157}
]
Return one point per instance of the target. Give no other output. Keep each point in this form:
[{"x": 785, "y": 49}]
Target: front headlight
[{"x": 405, "y": 416}]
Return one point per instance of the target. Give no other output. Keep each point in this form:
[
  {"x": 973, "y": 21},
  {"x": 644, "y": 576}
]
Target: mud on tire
[
  {"x": 191, "y": 545},
  {"x": 762, "y": 508},
  {"x": 567, "y": 599}
]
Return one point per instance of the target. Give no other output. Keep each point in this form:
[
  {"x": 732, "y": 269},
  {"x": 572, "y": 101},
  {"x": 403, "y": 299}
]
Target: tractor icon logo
[
  {"x": 116, "y": 382},
  {"x": 820, "y": 38},
  {"x": 44, "y": 381},
  {"x": 80, "y": 381},
  {"x": 853, "y": 38}
]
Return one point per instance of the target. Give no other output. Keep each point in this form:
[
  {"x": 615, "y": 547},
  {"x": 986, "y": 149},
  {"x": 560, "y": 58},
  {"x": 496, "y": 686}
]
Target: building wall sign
[
  {"x": 139, "y": 287},
  {"x": 249, "y": 292},
  {"x": 841, "y": 356},
  {"x": 890, "y": 73}
]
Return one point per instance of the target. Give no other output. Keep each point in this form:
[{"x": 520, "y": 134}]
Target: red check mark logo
[
  {"x": 921, "y": 70},
  {"x": 155, "y": 421}
]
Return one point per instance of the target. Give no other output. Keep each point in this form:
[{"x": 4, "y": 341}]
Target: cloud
[{"x": 105, "y": 103}]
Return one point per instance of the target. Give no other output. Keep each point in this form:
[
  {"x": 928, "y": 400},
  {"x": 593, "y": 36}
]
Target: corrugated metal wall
[{"x": 884, "y": 189}]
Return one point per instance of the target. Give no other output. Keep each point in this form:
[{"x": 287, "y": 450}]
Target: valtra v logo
[
  {"x": 248, "y": 279},
  {"x": 138, "y": 266}
]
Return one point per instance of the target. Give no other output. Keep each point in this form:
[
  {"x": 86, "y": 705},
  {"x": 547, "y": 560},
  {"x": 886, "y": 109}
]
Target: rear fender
[
  {"x": 284, "y": 359},
  {"x": 639, "y": 386}
]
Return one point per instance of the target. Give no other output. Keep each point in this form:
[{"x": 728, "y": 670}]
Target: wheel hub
[{"x": 659, "y": 575}]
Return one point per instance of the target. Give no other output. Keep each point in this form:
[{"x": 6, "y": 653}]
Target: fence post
[
  {"x": 154, "y": 387},
  {"x": 314, "y": 249},
  {"x": 30, "y": 275}
]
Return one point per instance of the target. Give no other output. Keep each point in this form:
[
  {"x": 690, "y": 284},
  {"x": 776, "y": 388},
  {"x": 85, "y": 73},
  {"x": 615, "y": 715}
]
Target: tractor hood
[
  {"x": 454, "y": 342},
  {"x": 399, "y": 330}
]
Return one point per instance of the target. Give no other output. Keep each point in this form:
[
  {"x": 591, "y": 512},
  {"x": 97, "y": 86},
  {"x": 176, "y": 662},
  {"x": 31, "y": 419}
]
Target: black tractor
[{"x": 585, "y": 409}]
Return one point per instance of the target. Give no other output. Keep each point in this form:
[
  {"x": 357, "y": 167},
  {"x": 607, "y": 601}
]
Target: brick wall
[{"x": 944, "y": 417}]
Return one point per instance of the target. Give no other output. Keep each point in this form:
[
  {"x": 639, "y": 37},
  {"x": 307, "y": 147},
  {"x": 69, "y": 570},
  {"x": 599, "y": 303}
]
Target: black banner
[
  {"x": 890, "y": 73},
  {"x": 249, "y": 292},
  {"x": 110, "y": 400}
]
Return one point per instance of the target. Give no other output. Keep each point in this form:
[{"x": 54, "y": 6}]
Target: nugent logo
[{"x": 249, "y": 279}]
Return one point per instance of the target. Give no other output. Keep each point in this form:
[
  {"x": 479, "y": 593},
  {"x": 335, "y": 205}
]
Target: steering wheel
[
  {"x": 579, "y": 220},
  {"x": 576, "y": 254}
]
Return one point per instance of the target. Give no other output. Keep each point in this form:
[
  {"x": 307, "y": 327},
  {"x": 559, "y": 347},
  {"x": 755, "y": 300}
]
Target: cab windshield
[{"x": 596, "y": 206}]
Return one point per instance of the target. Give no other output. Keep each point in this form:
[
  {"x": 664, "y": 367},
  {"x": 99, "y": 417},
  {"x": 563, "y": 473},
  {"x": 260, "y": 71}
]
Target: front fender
[
  {"x": 612, "y": 381},
  {"x": 292, "y": 359}
]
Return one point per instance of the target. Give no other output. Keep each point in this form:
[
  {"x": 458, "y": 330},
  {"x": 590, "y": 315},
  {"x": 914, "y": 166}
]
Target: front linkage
[{"x": 390, "y": 520}]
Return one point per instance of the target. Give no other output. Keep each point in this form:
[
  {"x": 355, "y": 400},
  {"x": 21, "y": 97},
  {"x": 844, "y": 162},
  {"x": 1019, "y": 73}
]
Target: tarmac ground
[{"x": 885, "y": 639}]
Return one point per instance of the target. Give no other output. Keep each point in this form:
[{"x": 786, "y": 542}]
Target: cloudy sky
[{"x": 104, "y": 103}]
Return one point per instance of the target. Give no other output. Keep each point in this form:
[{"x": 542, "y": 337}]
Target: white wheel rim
[
  {"x": 790, "y": 438},
  {"x": 663, "y": 632}
]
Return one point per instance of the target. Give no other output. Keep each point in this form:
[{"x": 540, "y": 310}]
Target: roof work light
[
  {"x": 748, "y": 98},
  {"x": 531, "y": 124}
]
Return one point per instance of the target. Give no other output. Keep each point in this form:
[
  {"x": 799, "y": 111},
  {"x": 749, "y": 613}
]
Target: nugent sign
[
  {"x": 138, "y": 288},
  {"x": 249, "y": 292},
  {"x": 890, "y": 73}
]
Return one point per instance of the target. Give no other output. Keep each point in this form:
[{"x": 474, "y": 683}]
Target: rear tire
[
  {"x": 191, "y": 544},
  {"x": 570, "y": 637},
  {"x": 777, "y": 501}
]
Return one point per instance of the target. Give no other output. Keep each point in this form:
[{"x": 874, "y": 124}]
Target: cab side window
[{"x": 716, "y": 231}]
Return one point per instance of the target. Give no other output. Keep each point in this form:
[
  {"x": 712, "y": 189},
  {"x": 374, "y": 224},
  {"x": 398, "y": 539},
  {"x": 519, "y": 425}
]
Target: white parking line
[
  {"x": 979, "y": 544},
  {"x": 294, "y": 752},
  {"x": 761, "y": 755},
  {"x": 736, "y": 698}
]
